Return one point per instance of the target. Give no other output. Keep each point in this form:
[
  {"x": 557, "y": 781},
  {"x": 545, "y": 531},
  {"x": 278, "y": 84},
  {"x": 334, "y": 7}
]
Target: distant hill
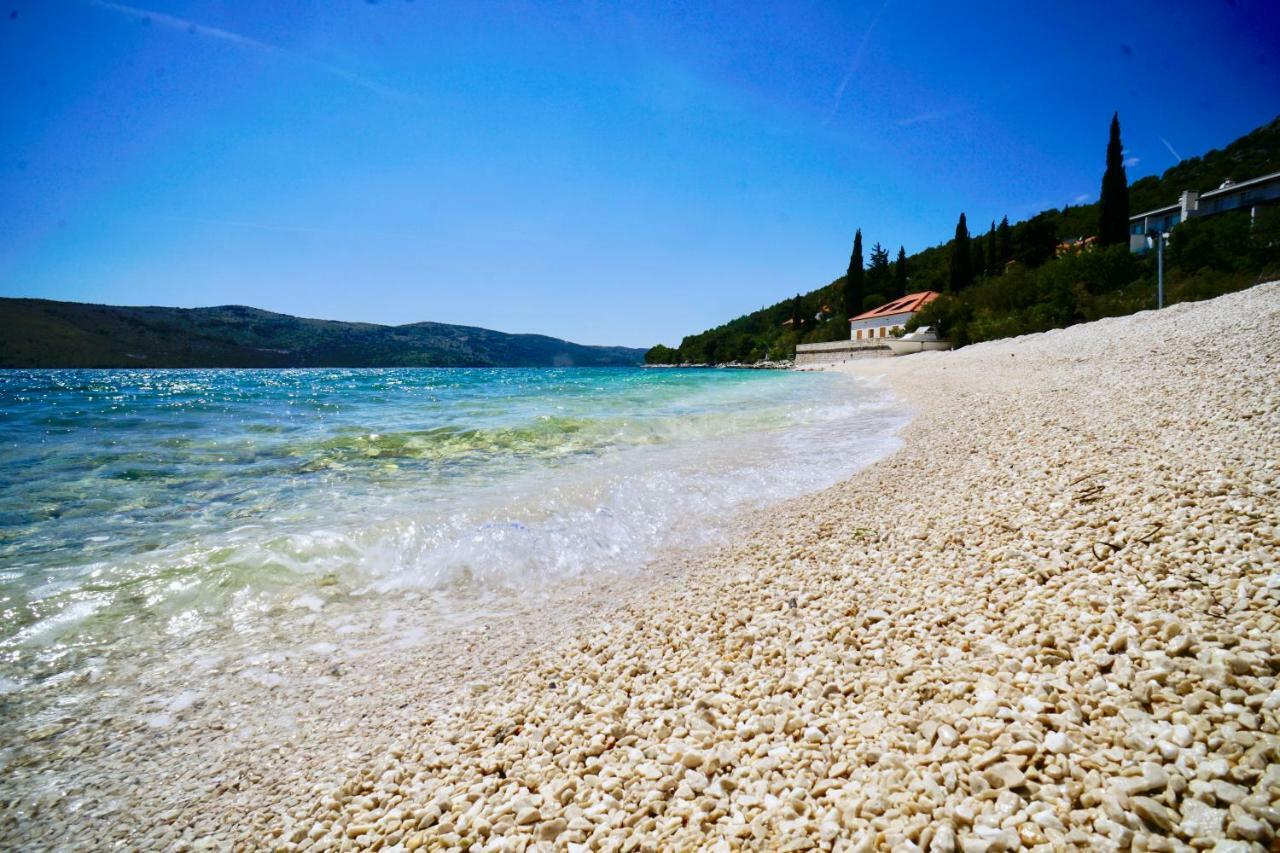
[
  {"x": 43, "y": 333},
  {"x": 762, "y": 333}
]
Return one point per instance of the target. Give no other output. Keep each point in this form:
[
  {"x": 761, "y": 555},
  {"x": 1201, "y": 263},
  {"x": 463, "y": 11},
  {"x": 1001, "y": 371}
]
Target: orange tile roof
[{"x": 911, "y": 302}]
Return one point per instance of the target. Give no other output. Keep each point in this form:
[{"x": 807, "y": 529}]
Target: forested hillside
[
  {"x": 43, "y": 333},
  {"x": 1016, "y": 270}
]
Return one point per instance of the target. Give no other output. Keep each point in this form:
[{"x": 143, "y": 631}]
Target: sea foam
[{"x": 186, "y": 513}]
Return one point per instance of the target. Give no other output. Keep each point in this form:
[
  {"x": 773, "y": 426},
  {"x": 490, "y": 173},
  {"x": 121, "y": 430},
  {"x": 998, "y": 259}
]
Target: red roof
[{"x": 912, "y": 302}]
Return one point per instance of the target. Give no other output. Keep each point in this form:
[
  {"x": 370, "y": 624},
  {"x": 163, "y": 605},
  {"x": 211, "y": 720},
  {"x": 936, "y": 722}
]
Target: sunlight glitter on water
[{"x": 175, "y": 515}]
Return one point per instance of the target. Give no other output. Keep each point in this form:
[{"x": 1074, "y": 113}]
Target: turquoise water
[{"x": 164, "y": 512}]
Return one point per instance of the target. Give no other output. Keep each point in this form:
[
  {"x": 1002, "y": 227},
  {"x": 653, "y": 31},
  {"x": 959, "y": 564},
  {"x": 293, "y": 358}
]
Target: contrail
[
  {"x": 853, "y": 65},
  {"x": 1176, "y": 155},
  {"x": 176, "y": 23}
]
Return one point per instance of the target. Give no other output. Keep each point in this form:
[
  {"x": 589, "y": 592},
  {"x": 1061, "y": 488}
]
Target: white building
[
  {"x": 881, "y": 322},
  {"x": 1245, "y": 195}
]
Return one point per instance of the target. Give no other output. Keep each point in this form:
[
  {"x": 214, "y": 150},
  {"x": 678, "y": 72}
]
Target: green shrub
[
  {"x": 1213, "y": 259},
  {"x": 1221, "y": 242},
  {"x": 662, "y": 355}
]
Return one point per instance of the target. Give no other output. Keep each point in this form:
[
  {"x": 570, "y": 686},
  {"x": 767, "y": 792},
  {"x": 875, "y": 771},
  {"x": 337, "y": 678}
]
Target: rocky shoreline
[
  {"x": 784, "y": 364},
  {"x": 1050, "y": 622}
]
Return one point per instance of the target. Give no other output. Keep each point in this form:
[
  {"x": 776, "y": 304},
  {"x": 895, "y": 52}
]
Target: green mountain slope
[
  {"x": 42, "y": 333},
  {"x": 762, "y": 334}
]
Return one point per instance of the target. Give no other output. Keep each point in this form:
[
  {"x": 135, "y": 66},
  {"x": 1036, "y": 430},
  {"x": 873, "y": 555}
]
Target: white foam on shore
[{"x": 338, "y": 588}]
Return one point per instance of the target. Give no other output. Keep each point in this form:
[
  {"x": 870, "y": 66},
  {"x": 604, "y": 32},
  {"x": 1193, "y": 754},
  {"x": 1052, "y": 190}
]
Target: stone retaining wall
[{"x": 835, "y": 352}]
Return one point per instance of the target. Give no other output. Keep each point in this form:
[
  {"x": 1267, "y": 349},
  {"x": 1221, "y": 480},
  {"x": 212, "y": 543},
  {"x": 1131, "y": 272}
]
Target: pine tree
[
  {"x": 797, "y": 314},
  {"x": 879, "y": 277},
  {"x": 961, "y": 260},
  {"x": 853, "y": 280},
  {"x": 993, "y": 262},
  {"x": 1004, "y": 244},
  {"x": 900, "y": 274},
  {"x": 979, "y": 265},
  {"x": 1113, "y": 219}
]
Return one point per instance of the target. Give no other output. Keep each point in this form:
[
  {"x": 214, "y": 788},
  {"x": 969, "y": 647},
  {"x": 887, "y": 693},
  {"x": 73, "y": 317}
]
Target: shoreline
[
  {"x": 1062, "y": 634},
  {"x": 218, "y": 769},
  {"x": 993, "y": 637}
]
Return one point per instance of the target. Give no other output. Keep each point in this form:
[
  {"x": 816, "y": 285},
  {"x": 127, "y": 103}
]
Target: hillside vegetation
[
  {"x": 41, "y": 333},
  {"x": 1021, "y": 286}
]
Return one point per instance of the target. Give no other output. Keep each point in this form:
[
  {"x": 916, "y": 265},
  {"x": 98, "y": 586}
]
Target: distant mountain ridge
[{"x": 37, "y": 333}]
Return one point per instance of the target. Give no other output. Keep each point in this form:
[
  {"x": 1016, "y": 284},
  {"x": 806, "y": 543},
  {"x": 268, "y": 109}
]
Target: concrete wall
[{"x": 810, "y": 355}]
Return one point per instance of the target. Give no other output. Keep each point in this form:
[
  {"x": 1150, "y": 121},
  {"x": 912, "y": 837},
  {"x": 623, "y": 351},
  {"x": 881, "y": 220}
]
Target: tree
[
  {"x": 853, "y": 283},
  {"x": 900, "y": 274},
  {"x": 979, "y": 257},
  {"x": 1004, "y": 244},
  {"x": 797, "y": 314},
  {"x": 1113, "y": 219},
  {"x": 993, "y": 261},
  {"x": 879, "y": 277},
  {"x": 660, "y": 354},
  {"x": 961, "y": 261},
  {"x": 1036, "y": 240}
]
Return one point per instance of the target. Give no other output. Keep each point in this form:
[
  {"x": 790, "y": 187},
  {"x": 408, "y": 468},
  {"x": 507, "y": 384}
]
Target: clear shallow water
[{"x": 170, "y": 515}]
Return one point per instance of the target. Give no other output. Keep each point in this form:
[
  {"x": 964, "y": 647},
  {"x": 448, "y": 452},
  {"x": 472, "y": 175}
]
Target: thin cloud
[
  {"x": 935, "y": 115},
  {"x": 1176, "y": 155},
  {"x": 854, "y": 63},
  {"x": 1082, "y": 198},
  {"x": 175, "y": 23},
  {"x": 1132, "y": 161}
]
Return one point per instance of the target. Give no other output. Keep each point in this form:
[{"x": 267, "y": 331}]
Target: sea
[{"x": 172, "y": 517}]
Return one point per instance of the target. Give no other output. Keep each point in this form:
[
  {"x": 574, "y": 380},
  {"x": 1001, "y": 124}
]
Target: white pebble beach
[{"x": 1050, "y": 621}]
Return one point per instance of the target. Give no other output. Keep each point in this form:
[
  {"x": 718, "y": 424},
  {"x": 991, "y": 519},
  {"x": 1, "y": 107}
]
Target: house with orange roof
[{"x": 882, "y": 322}]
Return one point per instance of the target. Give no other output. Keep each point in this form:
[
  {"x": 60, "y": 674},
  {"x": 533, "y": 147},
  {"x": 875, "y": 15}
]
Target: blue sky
[{"x": 604, "y": 172}]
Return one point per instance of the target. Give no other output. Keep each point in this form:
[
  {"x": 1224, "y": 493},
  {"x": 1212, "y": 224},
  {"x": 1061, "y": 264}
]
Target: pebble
[
  {"x": 1061, "y": 632},
  {"x": 1200, "y": 820},
  {"x": 1057, "y": 743},
  {"x": 1154, "y": 813}
]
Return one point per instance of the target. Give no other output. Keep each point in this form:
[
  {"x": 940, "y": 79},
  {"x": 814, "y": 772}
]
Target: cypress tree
[
  {"x": 1113, "y": 219},
  {"x": 797, "y": 314},
  {"x": 993, "y": 262},
  {"x": 979, "y": 257},
  {"x": 961, "y": 261},
  {"x": 900, "y": 274},
  {"x": 853, "y": 283},
  {"x": 1004, "y": 244}
]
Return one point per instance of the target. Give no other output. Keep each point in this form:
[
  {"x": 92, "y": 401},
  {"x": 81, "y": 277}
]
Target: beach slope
[{"x": 1052, "y": 618}]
